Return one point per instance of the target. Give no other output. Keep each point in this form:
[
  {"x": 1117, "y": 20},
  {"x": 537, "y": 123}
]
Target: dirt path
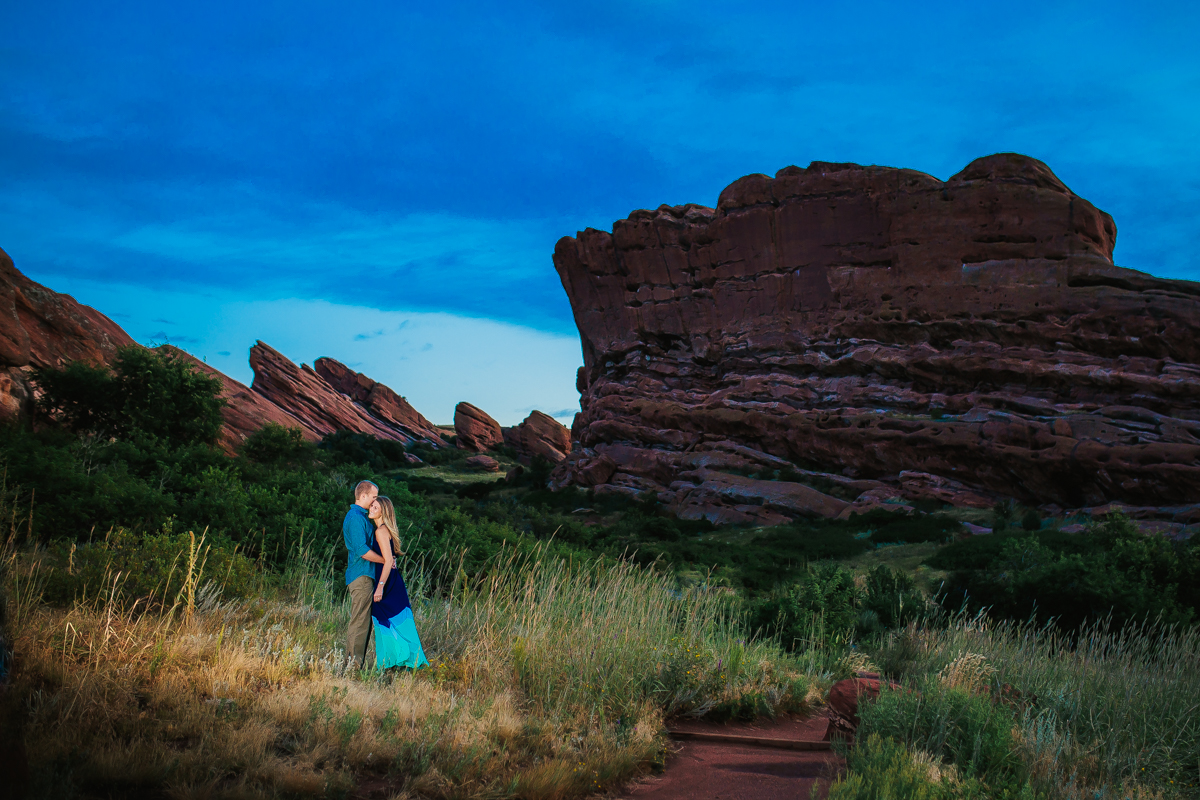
[{"x": 707, "y": 770}]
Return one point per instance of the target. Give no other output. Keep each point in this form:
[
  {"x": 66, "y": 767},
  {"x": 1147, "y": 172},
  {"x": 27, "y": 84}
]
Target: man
[{"x": 359, "y": 531}]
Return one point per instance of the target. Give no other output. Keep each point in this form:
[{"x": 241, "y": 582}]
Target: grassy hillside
[{"x": 177, "y": 618}]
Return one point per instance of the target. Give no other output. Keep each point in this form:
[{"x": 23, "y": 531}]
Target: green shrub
[
  {"x": 883, "y": 769},
  {"x": 962, "y": 728},
  {"x": 275, "y": 445},
  {"x": 1111, "y": 571},
  {"x": 157, "y": 393},
  {"x": 152, "y": 568},
  {"x": 890, "y": 527},
  {"x": 361, "y": 449},
  {"x": 1003, "y": 514},
  {"x": 1031, "y": 520},
  {"x": 819, "y": 610},
  {"x": 893, "y": 596}
]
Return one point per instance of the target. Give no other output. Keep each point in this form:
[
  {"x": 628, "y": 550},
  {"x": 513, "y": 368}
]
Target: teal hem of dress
[{"x": 399, "y": 645}]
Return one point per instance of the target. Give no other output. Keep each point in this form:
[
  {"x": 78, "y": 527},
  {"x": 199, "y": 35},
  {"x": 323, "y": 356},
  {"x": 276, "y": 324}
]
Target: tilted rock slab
[
  {"x": 42, "y": 328},
  {"x": 308, "y": 397},
  {"x": 962, "y": 341},
  {"x": 539, "y": 435},
  {"x": 379, "y": 400},
  {"x": 475, "y": 429}
]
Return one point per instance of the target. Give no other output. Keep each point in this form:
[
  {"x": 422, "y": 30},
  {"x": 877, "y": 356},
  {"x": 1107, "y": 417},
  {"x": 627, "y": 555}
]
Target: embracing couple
[{"x": 378, "y": 599}]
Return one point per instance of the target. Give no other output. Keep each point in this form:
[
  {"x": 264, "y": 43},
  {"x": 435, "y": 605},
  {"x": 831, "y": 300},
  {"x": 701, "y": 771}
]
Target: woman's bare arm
[{"x": 385, "y": 544}]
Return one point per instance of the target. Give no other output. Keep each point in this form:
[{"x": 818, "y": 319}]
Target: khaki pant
[{"x": 362, "y": 593}]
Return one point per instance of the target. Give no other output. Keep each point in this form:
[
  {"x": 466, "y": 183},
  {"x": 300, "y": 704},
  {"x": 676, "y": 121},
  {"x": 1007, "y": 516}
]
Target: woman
[{"x": 396, "y": 641}]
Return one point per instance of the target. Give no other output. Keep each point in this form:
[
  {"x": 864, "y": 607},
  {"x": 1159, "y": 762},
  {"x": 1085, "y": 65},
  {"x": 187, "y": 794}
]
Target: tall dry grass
[
  {"x": 548, "y": 680},
  {"x": 1103, "y": 713}
]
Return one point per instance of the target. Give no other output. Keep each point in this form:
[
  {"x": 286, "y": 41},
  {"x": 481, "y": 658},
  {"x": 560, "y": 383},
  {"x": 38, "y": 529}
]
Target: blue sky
[{"x": 220, "y": 172}]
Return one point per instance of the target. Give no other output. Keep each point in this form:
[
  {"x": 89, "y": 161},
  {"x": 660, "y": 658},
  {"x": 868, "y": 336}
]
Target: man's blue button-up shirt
[{"x": 358, "y": 530}]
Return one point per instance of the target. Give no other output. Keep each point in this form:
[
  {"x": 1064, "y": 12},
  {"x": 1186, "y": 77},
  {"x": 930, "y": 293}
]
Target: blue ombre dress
[{"x": 396, "y": 641}]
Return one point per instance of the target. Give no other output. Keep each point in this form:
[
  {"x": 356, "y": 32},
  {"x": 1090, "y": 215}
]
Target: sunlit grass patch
[{"x": 547, "y": 680}]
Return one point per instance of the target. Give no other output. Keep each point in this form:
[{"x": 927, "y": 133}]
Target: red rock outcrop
[
  {"x": 843, "y": 701},
  {"x": 475, "y": 428},
  {"x": 539, "y": 435},
  {"x": 379, "y": 400},
  {"x": 482, "y": 463},
  {"x": 960, "y": 340},
  {"x": 308, "y": 397},
  {"x": 42, "y": 328},
  {"x": 245, "y": 410}
]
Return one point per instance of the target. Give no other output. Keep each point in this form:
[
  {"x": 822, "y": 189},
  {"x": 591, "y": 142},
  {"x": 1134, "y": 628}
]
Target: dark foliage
[
  {"x": 360, "y": 449},
  {"x": 1111, "y": 570},
  {"x": 276, "y": 446},
  {"x": 893, "y": 597},
  {"x": 155, "y": 393}
]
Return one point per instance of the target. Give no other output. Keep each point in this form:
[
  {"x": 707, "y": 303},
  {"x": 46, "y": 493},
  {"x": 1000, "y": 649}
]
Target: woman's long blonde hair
[{"x": 387, "y": 520}]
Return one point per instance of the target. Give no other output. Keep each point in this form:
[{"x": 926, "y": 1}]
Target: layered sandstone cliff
[{"x": 877, "y": 333}]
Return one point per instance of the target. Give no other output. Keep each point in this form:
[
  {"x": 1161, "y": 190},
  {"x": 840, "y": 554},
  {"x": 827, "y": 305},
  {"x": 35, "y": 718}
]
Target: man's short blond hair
[{"x": 363, "y": 489}]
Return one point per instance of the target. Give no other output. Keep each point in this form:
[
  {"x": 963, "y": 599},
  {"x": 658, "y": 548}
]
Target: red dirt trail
[{"x": 703, "y": 770}]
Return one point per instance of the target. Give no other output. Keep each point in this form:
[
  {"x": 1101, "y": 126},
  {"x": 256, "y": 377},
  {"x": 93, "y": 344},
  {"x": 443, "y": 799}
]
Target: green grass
[
  {"x": 1101, "y": 714},
  {"x": 548, "y": 679}
]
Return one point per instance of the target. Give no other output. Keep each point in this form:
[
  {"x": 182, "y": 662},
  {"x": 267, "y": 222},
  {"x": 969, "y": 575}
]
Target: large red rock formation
[
  {"x": 475, "y": 429},
  {"x": 42, "y": 328},
  {"x": 379, "y": 400},
  {"x": 849, "y": 328},
  {"x": 539, "y": 435}
]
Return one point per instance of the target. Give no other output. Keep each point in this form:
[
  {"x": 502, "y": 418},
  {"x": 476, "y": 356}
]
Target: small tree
[{"x": 152, "y": 392}]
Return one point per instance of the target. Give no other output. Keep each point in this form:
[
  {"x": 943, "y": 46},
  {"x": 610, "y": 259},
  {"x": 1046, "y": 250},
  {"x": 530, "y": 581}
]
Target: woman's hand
[{"x": 378, "y": 594}]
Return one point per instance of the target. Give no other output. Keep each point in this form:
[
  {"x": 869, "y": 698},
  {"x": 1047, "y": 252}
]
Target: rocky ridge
[
  {"x": 40, "y": 327},
  {"x": 868, "y": 333}
]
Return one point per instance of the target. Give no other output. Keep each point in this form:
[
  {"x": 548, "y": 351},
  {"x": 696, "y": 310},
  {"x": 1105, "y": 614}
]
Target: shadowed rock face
[
  {"x": 42, "y": 328},
  {"x": 963, "y": 341},
  {"x": 379, "y": 400},
  {"x": 475, "y": 429},
  {"x": 539, "y": 435}
]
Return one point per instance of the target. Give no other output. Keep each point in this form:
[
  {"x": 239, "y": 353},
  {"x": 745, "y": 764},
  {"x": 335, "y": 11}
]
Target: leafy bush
[
  {"x": 818, "y": 610},
  {"x": 275, "y": 445},
  {"x": 895, "y": 528},
  {"x": 1112, "y": 570},
  {"x": 151, "y": 568},
  {"x": 361, "y": 449},
  {"x": 158, "y": 393}
]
